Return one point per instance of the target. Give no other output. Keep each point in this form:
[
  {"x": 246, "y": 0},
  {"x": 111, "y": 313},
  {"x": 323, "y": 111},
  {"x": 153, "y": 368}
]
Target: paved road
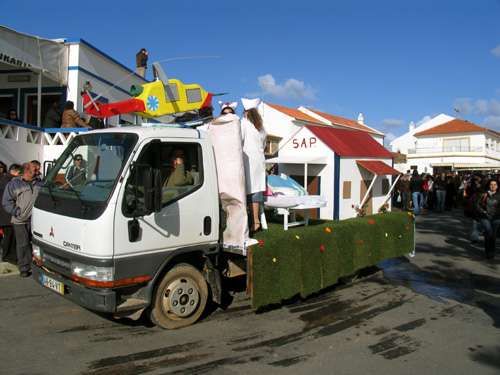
[{"x": 436, "y": 313}]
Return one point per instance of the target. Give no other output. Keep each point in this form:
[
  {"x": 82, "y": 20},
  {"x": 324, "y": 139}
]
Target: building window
[
  {"x": 347, "y": 190},
  {"x": 385, "y": 186},
  {"x": 456, "y": 145}
]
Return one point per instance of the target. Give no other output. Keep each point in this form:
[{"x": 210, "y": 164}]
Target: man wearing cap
[{"x": 141, "y": 60}]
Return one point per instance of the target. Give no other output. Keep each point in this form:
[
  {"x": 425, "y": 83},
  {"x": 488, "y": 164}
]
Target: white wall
[
  {"x": 407, "y": 140},
  {"x": 277, "y": 123},
  {"x": 351, "y": 171}
]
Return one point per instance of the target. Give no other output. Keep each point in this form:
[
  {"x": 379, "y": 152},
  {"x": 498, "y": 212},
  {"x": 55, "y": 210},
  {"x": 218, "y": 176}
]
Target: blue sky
[{"x": 396, "y": 61}]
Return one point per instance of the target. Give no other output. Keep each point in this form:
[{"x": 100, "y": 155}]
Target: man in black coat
[{"x": 9, "y": 239}]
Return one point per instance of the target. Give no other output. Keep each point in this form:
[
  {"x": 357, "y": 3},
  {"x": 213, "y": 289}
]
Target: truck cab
[{"x": 120, "y": 239}]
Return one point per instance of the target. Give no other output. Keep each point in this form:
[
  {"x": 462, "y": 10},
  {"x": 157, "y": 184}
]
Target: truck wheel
[{"x": 180, "y": 298}]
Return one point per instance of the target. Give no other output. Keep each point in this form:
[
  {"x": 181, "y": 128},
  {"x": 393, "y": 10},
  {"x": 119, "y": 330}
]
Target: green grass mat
[{"x": 304, "y": 260}]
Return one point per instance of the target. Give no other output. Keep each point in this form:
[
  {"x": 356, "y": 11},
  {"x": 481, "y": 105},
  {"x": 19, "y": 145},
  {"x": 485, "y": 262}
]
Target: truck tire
[{"x": 180, "y": 298}]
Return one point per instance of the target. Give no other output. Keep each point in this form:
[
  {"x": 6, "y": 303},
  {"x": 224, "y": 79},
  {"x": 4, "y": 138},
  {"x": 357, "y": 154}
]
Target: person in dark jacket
[
  {"x": 416, "y": 188},
  {"x": 18, "y": 200},
  {"x": 405, "y": 192},
  {"x": 440, "y": 188},
  {"x": 451, "y": 193},
  {"x": 141, "y": 60},
  {"x": 9, "y": 238},
  {"x": 488, "y": 209},
  {"x": 53, "y": 117},
  {"x": 472, "y": 191}
]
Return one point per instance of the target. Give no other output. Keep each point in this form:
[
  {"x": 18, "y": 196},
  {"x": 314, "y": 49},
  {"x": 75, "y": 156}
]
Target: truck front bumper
[{"x": 92, "y": 299}]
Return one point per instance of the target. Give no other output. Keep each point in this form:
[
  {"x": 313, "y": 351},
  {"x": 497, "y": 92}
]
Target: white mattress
[{"x": 301, "y": 202}]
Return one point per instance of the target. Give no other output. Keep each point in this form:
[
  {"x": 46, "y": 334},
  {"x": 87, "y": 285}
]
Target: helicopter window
[
  {"x": 193, "y": 95},
  {"x": 171, "y": 92}
]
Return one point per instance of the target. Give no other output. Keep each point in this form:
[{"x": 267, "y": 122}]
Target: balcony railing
[
  {"x": 33, "y": 135},
  {"x": 444, "y": 150}
]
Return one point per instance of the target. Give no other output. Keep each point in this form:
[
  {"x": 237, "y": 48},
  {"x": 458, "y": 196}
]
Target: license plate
[{"x": 53, "y": 284}]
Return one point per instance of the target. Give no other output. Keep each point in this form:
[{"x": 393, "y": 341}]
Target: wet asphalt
[{"x": 435, "y": 313}]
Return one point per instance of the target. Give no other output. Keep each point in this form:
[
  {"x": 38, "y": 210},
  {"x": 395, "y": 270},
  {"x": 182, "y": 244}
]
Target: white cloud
[
  {"x": 496, "y": 51},
  {"x": 392, "y": 123},
  {"x": 479, "y": 107},
  {"x": 492, "y": 122},
  {"x": 291, "y": 89}
]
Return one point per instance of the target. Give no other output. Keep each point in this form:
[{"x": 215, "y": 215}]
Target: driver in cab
[{"x": 178, "y": 176}]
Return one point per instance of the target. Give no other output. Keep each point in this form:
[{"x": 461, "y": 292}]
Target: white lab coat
[
  {"x": 225, "y": 133},
  {"x": 254, "y": 143}
]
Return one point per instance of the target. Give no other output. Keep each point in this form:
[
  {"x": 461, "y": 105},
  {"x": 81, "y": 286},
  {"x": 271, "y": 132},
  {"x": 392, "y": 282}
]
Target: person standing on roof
[{"x": 141, "y": 60}]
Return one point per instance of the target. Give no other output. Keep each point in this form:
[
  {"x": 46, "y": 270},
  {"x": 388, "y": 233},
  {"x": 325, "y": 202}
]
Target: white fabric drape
[{"x": 225, "y": 134}]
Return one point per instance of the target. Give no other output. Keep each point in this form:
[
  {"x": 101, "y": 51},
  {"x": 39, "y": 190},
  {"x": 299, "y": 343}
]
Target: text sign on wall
[{"x": 304, "y": 142}]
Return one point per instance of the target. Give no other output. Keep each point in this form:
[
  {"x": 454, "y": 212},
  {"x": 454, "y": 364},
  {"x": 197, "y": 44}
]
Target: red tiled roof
[
  {"x": 344, "y": 122},
  {"x": 350, "y": 142},
  {"x": 295, "y": 113},
  {"x": 377, "y": 167},
  {"x": 454, "y": 126}
]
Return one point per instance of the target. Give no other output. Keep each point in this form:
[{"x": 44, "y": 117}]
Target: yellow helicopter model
[{"x": 161, "y": 97}]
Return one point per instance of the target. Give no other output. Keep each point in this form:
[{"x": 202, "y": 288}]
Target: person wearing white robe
[
  {"x": 225, "y": 134},
  {"x": 254, "y": 143}
]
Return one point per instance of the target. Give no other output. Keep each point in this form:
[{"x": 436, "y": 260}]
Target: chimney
[
  {"x": 360, "y": 118},
  {"x": 412, "y": 127}
]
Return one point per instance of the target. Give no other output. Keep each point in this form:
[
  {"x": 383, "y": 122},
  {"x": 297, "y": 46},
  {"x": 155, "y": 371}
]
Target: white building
[
  {"x": 348, "y": 167},
  {"x": 455, "y": 145},
  {"x": 341, "y": 159},
  {"x": 35, "y": 73},
  {"x": 66, "y": 65},
  {"x": 408, "y": 141}
]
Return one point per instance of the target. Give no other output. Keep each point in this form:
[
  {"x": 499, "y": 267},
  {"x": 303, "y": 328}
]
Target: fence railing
[
  {"x": 22, "y": 142},
  {"x": 15, "y": 131},
  {"x": 444, "y": 150}
]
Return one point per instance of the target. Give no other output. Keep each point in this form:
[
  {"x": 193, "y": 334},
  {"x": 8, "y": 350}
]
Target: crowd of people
[
  {"x": 19, "y": 187},
  {"x": 476, "y": 194}
]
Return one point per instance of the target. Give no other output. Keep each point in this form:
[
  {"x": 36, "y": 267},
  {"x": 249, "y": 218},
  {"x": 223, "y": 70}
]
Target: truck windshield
[{"x": 89, "y": 167}]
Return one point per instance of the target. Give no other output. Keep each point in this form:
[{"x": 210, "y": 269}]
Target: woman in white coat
[{"x": 254, "y": 142}]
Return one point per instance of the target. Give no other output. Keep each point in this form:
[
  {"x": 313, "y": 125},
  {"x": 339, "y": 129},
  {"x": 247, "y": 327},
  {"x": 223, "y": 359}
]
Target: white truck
[{"x": 118, "y": 241}]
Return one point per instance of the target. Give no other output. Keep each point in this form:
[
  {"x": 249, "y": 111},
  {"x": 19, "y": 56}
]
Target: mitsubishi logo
[{"x": 51, "y": 234}]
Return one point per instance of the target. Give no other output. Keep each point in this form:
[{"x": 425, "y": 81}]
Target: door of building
[{"x": 31, "y": 106}]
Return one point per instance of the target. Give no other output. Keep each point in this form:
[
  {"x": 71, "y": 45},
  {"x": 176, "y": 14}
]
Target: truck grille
[{"x": 55, "y": 261}]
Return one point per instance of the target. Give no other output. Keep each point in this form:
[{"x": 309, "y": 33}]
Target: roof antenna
[{"x": 457, "y": 110}]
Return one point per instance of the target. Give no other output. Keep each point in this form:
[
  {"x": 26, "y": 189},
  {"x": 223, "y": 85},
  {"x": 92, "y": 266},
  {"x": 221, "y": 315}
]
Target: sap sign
[{"x": 304, "y": 143}]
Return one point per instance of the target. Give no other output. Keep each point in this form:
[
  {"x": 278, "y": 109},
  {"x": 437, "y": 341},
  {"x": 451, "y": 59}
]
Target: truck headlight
[
  {"x": 37, "y": 254},
  {"x": 94, "y": 273}
]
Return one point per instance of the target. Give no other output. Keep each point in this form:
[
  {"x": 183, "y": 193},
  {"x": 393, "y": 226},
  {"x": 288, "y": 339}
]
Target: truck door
[{"x": 188, "y": 217}]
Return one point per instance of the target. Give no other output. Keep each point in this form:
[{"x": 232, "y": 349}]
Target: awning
[
  {"x": 31, "y": 52},
  {"x": 468, "y": 166},
  {"x": 299, "y": 159},
  {"x": 377, "y": 167}
]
